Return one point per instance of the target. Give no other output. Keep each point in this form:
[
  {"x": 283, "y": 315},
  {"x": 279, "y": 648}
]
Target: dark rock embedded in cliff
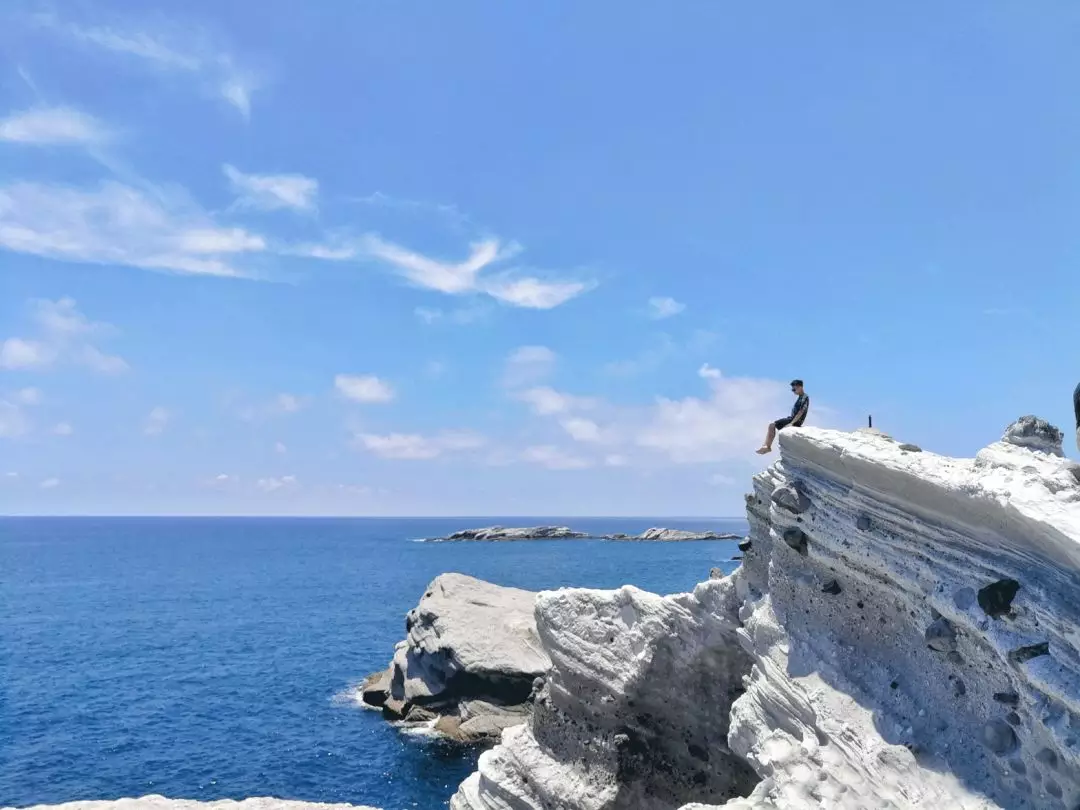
[{"x": 996, "y": 599}]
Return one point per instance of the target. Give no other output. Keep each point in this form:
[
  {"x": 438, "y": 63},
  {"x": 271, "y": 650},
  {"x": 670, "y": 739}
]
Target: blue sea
[{"x": 209, "y": 658}]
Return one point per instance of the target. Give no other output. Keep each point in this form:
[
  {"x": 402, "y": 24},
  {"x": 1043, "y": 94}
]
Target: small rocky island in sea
[{"x": 502, "y": 534}]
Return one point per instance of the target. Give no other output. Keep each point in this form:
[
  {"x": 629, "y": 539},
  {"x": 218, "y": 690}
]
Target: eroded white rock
[{"x": 833, "y": 699}]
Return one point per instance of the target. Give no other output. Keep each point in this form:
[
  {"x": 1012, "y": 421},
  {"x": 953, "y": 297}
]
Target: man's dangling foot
[{"x": 764, "y": 450}]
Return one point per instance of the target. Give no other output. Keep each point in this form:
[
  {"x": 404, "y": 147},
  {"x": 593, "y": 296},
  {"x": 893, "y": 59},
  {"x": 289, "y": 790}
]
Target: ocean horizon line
[{"x": 361, "y": 517}]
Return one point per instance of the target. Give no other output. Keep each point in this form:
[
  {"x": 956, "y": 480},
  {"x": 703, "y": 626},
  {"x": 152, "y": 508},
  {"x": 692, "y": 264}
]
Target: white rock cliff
[{"x": 903, "y": 633}]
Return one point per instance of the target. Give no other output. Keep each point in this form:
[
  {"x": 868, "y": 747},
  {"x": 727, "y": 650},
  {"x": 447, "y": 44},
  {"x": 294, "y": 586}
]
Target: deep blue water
[{"x": 207, "y": 658}]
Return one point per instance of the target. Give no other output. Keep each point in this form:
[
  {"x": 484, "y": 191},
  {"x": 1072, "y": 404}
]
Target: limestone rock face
[
  {"x": 471, "y": 654},
  {"x": 885, "y": 662}
]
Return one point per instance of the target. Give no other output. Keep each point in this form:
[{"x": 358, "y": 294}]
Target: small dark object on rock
[
  {"x": 791, "y": 499},
  {"x": 996, "y": 598},
  {"x": 736, "y": 557},
  {"x": 911, "y": 448},
  {"x": 1008, "y": 698},
  {"x": 832, "y": 587},
  {"x": 894, "y": 685},
  {"x": 797, "y": 539},
  {"x": 863, "y": 524},
  {"x": 1022, "y": 654},
  {"x": 959, "y": 689},
  {"x": 1013, "y": 718},
  {"x": 716, "y": 573},
  {"x": 745, "y": 544}
]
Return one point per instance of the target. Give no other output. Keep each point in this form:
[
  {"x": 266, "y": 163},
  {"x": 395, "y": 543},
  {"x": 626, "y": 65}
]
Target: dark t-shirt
[
  {"x": 1076, "y": 405},
  {"x": 804, "y": 402}
]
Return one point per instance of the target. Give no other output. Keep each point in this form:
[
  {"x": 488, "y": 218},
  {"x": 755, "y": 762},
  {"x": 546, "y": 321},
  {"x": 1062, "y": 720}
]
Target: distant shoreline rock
[
  {"x": 503, "y": 534},
  {"x": 660, "y": 535},
  {"x": 500, "y": 533}
]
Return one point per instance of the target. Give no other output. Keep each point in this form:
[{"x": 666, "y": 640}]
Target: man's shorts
[{"x": 780, "y": 424}]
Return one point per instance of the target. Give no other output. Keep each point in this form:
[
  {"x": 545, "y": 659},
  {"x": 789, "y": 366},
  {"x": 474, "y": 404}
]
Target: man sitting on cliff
[{"x": 802, "y": 406}]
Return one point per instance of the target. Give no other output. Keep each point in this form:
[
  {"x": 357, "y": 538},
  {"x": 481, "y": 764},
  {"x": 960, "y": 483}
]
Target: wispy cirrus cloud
[
  {"x": 156, "y": 421},
  {"x": 269, "y": 192},
  {"x": 511, "y": 286},
  {"x": 365, "y": 388},
  {"x": 661, "y": 307},
  {"x": 117, "y": 224},
  {"x": 62, "y": 335},
  {"x": 415, "y": 446},
  {"x": 172, "y": 48},
  {"x": 52, "y": 126}
]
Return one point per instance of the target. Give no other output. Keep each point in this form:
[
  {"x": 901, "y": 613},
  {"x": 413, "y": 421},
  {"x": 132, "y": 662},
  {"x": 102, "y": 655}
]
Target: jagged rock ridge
[{"x": 903, "y": 633}]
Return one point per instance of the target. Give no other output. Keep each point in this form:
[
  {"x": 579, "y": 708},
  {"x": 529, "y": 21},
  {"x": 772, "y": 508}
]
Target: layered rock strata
[
  {"x": 468, "y": 663},
  {"x": 902, "y": 633}
]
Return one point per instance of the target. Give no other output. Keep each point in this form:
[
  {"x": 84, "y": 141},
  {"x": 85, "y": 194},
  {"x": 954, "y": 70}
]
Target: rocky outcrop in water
[
  {"x": 468, "y": 663},
  {"x": 499, "y": 533},
  {"x": 902, "y": 633},
  {"x": 658, "y": 535}
]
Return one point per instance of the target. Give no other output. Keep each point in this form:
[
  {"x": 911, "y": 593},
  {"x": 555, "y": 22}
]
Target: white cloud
[
  {"x": 28, "y": 396},
  {"x": 707, "y": 372},
  {"x": 63, "y": 429},
  {"x": 615, "y": 460},
  {"x": 50, "y": 483},
  {"x": 47, "y": 126},
  {"x": 116, "y": 224},
  {"x": 11, "y": 475},
  {"x": 554, "y": 458},
  {"x": 95, "y": 359},
  {"x": 533, "y": 293},
  {"x": 283, "y": 404},
  {"x": 457, "y": 278},
  {"x": 18, "y": 353},
  {"x": 289, "y": 403},
  {"x": 65, "y": 335},
  {"x": 413, "y": 446},
  {"x": 660, "y": 308},
  {"x": 724, "y": 426},
  {"x": 545, "y": 401},
  {"x": 156, "y": 421},
  {"x": 172, "y": 49},
  {"x": 280, "y": 448},
  {"x": 582, "y": 430},
  {"x": 528, "y": 364},
  {"x": 363, "y": 388},
  {"x": 269, "y": 192},
  {"x": 432, "y": 274},
  {"x": 275, "y": 484}
]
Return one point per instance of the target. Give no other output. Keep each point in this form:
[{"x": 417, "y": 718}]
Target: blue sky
[{"x": 489, "y": 258}]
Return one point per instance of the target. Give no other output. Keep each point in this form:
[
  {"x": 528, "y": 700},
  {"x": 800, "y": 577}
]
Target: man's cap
[{"x": 796, "y": 382}]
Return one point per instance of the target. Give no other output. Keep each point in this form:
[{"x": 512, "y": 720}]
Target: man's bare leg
[{"x": 769, "y": 438}]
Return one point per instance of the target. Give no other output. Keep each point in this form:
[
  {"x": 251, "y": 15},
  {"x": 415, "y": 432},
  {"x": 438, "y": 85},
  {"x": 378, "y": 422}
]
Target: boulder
[
  {"x": 376, "y": 688},
  {"x": 470, "y": 660},
  {"x": 1035, "y": 434}
]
